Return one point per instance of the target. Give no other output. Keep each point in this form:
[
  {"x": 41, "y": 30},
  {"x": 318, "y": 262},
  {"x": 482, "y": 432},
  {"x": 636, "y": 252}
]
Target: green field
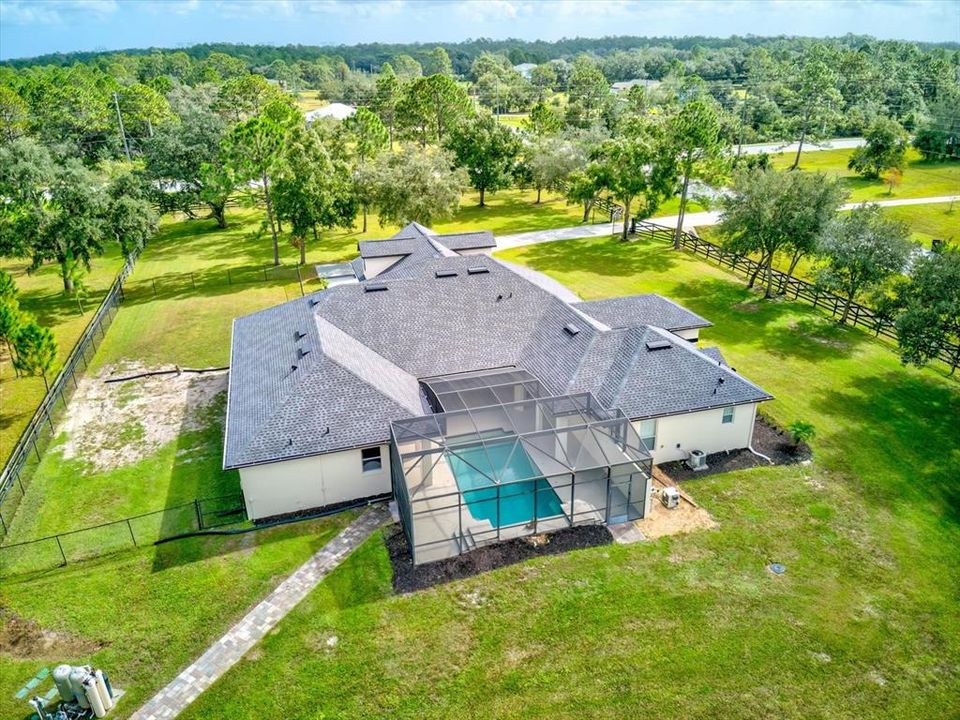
[
  {"x": 41, "y": 294},
  {"x": 864, "y": 624},
  {"x": 920, "y": 178},
  {"x": 144, "y": 615},
  {"x": 926, "y": 222}
]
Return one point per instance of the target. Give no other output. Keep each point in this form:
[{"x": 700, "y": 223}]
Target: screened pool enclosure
[{"x": 500, "y": 459}]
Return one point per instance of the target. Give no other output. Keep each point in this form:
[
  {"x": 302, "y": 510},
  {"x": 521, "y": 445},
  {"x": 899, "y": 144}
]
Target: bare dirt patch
[
  {"x": 109, "y": 425},
  {"x": 661, "y": 521},
  {"x": 25, "y": 640}
]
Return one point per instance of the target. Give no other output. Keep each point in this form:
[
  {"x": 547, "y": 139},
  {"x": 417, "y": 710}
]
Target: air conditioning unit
[
  {"x": 697, "y": 460},
  {"x": 670, "y": 497}
]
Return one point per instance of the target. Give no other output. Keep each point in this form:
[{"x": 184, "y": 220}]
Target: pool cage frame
[{"x": 588, "y": 459}]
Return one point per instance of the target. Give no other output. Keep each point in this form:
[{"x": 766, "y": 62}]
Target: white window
[
  {"x": 648, "y": 434},
  {"x": 371, "y": 459},
  {"x": 728, "y": 415}
]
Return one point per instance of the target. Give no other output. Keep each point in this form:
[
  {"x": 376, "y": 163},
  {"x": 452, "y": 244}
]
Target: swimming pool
[{"x": 516, "y": 498}]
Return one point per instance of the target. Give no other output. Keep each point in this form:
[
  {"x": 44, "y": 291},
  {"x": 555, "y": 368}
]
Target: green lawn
[
  {"x": 938, "y": 220},
  {"x": 920, "y": 178},
  {"x": 865, "y": 624},
  {"x": 144, "y": 615},
  {"x": 41, "y": 294}
]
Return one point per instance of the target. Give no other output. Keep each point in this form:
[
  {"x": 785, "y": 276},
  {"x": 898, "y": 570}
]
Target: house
[
  {"x": 623, "y": 87},
  {"x": 486, "y": 398},
  {"x": 337, "y": 111},
  {"x": 525, "y": 69}
]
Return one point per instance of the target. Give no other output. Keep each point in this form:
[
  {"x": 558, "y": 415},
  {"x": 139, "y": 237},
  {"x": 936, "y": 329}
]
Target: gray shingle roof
[
  {"x": 714, "y": 354},
  {"x": 468, "y": 240},
  {"x": 652, "y": 309},
  {"x": 367, "y": 350}
]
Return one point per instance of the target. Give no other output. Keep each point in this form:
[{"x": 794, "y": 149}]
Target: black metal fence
[
  {"x": 136, "y": 531},
  {"x": 304, "y": 277},
  {"x": 40, "y": 429},
  {"x": 881, "y": 325}
]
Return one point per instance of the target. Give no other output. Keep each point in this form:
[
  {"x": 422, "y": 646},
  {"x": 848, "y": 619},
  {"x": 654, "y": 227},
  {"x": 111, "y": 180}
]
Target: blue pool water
[{"x": 516, "y": 498}]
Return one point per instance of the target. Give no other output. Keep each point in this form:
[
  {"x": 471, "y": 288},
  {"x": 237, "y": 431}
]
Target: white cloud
[{"x": 52, "y": 12}]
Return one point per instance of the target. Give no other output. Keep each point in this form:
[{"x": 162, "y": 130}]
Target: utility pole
[
  {"x": 743, "y": 121},
  {"x": 123, "y": 134}
]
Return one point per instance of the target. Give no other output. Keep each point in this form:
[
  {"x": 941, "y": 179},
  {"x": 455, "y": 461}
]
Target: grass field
[
  {"x": 920, "y": 178},
  {"x": 143, "y": 615},
  {"x": 41, "y": 294},
  {"x": 926, "y": 222},
  {"x": 864, "y": 624}
]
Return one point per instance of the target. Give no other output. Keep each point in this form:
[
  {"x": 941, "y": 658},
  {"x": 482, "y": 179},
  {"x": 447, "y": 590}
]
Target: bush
[{"x": 801, "y": 431}]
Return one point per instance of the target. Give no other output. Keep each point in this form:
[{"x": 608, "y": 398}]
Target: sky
[{"x": 35, "y": 27}]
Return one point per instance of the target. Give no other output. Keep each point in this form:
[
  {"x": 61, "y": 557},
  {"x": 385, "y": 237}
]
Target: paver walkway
[
  {"x": 711, "y": 217},
  {"x": 223, "y": 654}
]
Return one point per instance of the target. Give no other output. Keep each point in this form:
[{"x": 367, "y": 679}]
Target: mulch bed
[
  {"x": 768, "y": 439},
  {"x": 408, "y": 578}
]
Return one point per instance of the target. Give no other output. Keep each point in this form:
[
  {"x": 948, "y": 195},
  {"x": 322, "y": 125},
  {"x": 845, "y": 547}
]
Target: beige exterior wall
[
  {"x": 374, "y": 266},
  {"x": 690, "y": 334},
  {"x": 701, "y": 431},
  {"x": 294, "y": 485}
]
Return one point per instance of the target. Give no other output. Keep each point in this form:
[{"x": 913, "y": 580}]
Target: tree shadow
[{"x": 909, "y": 438}]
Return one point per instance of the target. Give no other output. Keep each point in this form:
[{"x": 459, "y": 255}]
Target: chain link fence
[
  {"x": 39, "y": 431},
  {"x": 132, "y": 532}
]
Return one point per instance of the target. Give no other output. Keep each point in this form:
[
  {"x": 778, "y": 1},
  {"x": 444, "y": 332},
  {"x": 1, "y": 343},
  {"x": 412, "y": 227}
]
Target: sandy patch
[
  {"x": 686, "y": 517},
  {"x": 110, "y": 425}
]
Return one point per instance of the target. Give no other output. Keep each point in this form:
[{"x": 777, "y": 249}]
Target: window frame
[
  {"x": 724, "y": 419},
  {"x": 652, "y": 447},
  {"x": 366, "y": 456}
]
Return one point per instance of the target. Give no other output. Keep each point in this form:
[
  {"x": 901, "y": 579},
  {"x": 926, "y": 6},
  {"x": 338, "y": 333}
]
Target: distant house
[
  {"x": 338, "y": 111},
  {"x": 525, "y": 69},
  {"x": 624, "y": 86},
  {"x": 486, "y": 398}
]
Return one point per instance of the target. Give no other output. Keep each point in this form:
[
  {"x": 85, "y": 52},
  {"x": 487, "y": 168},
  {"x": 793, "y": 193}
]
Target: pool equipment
[
  {"x": 93, "y": 695},
  {"x": 106, "y": 697},
  {"x": 77, "y": 676},
  {"x": 84, "y": 691},
  {"x": 61, "y": 678},
  {"x": 670, "y": 497}
]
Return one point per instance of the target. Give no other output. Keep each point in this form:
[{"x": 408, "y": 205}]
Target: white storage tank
[
  {"x": 92, "y": 694},
  {"x": 105, "y": 696},
  {"x": 77, "y": 676},
  {"x": 61, "y": 678}
]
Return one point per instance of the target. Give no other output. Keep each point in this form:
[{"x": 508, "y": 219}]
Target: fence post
[
  {"x": 154, "y": 281},
  {"x": 196, "y": 505},
  {"x": 60, "y": 547},
  {"x": 229, "y": 281},
  {"x": 132, "y": 537},
  {"x": 193, "y": 282},
  {"x": 300, "y": 279}
]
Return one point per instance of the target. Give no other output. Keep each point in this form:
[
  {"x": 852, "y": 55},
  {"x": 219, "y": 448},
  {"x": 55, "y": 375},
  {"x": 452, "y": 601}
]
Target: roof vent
[
  {"x": 658, "y": 344},
  {"x": 314, "y": 302},
  {"x": 297, "y": 335},
  {"x": 301, "y": 353},
  {"x": 571, "y": 329},
  {"x": 477, "y": 270},
  {"x": 374, "y": 287},
  {"x": 445, "y": 273}
]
